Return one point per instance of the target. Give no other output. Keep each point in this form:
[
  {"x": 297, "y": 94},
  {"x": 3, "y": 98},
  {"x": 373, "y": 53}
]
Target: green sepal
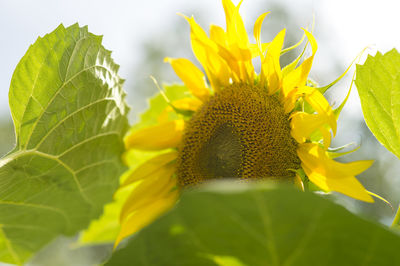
[{"x": 334, "y": 152}]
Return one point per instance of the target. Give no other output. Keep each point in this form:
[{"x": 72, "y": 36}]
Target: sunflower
[{"x": 238, "y": 124}]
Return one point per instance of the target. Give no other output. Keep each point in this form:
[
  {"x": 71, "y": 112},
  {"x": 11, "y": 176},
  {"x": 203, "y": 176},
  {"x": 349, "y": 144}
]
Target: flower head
[{"x": 240, "y": 124}]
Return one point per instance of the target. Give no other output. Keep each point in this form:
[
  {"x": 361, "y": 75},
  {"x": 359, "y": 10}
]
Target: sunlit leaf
[
  {"x": 378, "y": 84},
  {"x": 107, "y": 227},
  {"x": 69, "y": 112},
  {"x": 236, "y": 225}
]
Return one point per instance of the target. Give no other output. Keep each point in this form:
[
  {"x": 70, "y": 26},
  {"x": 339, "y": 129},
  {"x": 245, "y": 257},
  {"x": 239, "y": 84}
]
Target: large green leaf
[
  {"x": 259, "y": 226},
  {"x": 378, "y": 84},
  {"x": 69, "y": 112},
  {"x": 106, "y": 228}
]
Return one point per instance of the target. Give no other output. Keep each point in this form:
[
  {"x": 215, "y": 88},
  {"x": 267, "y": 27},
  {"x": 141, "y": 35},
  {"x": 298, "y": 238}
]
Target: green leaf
[
  {"x": 247, "y": 225},
  {"x": 106, "y": 228},
  {"x": 378, "y": 84},
  {"x": 69, "y": 112},
  {"x": 157, "y": 104}
]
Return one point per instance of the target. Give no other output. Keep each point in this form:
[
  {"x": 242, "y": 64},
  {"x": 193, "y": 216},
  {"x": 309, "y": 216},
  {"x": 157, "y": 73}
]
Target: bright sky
[{"x": 348, "y": 26}]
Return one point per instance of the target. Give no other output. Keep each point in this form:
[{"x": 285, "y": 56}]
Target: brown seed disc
[{"x": 240, "y": 132}]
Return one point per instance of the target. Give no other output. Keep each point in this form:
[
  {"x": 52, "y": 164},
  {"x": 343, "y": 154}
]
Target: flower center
[{"x": 240, "y": 132}]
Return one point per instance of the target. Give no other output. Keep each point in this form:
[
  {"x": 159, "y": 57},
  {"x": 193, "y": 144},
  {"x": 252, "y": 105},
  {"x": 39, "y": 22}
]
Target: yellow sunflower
[{"x": 239, "y": 124}]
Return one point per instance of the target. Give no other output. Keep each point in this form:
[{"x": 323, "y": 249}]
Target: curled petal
[
  {"x": 298, "y": 77},
  {"x": 206, "y": 51},
  {"x": 320, "y": 104},
  {"x": 330, "y": 175},
  {"x": 271, "y": 73},
  {"x": 303, "y": 125},
  {"x": 235, "y": 29},
  {"x": 257, "y": 33},
  {"x": 191, "y": 76}
]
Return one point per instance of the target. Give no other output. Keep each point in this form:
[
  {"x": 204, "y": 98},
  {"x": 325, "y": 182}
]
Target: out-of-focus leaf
[
  {"x": 378, "y": 84},
  {"x": 69, "y": 113},
  {"x": 157, "y": 104},
  {"x": 236, "y": 225},
  {"x": 106, "y": 228}
]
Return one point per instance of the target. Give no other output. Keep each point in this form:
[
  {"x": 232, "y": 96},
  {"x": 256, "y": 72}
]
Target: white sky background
[
  {"x": 347, "y": 25},
  {"x": 343, "y": 28}
]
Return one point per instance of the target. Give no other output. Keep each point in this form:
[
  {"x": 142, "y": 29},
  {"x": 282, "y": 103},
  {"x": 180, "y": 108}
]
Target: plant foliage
[
  {"x": 256, "y": 225},
  {"x": 69, "y": 112}
]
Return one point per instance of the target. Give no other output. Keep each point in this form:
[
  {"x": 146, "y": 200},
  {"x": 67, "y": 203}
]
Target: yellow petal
[
  {"x": 271, "y": 73},
  {"x": 238, "y": 43},
  {"x": 321, "y": 105},
  {"x": 191, "y": 76},
  {"x": 255, "y": 50},
  {"x": 238, "y": 59},
  {"x": 163, "y": 136},
  {"x": 257, "y": 33},
  {"x": 291, "y": 66},
  {"x": 326, "y": 136},
  {"x": 330, "y": 175},
  {"x": 243, "y": 58},
  {"x": 188, "y": 104},
  {"x": 206, "y": 51},
  {"x": 218, "y": 35},
  {"x": 289, "y": 101},
  {"x": 149, "y": 189},
  {"x": 235, "y": 29},
  {"x": 149, "y": 167},
  {"x": 348, "y": 185},
  {"x": 145, "y": 216},
  {"x": 231, "y": 57},
  {"x": 303, "y": 125},
  {"x": 298, "y": 77}
]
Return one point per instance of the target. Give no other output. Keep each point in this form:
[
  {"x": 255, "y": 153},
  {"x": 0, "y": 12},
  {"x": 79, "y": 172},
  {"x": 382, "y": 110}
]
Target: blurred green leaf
[
  {"x": 246, "y": 225},
  {"x": 378, "y": 84},
  {"x": 157, "y": 104},
  {"x": 69, "y": 112}
]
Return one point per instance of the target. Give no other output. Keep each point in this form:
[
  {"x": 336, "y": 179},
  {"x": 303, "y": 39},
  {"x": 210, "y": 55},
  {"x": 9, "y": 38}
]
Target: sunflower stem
[{"x": 306, "y": 184}]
